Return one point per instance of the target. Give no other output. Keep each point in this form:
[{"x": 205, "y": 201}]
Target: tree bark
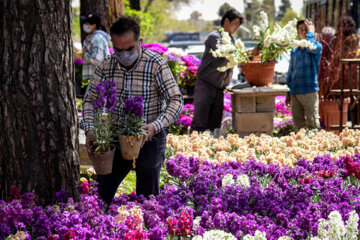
[
  {"x": 38, "y": 117},
  {"x": 98, "y": 6},
  {"x": 116, "y": 9}
]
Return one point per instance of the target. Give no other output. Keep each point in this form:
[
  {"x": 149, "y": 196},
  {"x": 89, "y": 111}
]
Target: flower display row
[
  {"x": 286, "y": 150},
  {"x": 317, "y": 199},
  {"x": 184, "y": 67}
]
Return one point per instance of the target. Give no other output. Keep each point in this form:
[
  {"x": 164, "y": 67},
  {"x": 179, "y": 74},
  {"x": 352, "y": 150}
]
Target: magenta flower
[{"x": 155, "y": 47}]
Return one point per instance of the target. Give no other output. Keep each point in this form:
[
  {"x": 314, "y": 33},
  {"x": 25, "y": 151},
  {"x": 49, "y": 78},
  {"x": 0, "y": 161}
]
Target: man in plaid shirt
[{"x": 137, "y": 72}]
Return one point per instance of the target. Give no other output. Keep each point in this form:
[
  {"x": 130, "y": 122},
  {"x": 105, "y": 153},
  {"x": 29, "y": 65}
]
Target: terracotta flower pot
[
  {"x": 130, "y": 146},
  {"x": 259, "y": 74},
  {"x": 102, "y": 161},
  {"x": 330, "y": 113}
]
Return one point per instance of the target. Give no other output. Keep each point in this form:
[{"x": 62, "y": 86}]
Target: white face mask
[
  {"x": 127, "y": 58},
  {"x": 86, "y": 28}
]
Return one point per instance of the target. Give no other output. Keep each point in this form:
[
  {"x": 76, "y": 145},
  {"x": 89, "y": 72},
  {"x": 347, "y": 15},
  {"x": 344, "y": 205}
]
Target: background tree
[
  {"x": 38, "y": 117},
  {"x": 289, "y": 15},
  {"x": 252, "y": 14},
  {"x": 269, "y": 7},
  {"x": 223, "y": 8},
  {"x": 285, "y": 4}
]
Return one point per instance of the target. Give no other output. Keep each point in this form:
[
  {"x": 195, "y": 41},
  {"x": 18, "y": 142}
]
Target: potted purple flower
[
  {"x": 102, "y": 151},
  {"x": 132, "y": 133}
]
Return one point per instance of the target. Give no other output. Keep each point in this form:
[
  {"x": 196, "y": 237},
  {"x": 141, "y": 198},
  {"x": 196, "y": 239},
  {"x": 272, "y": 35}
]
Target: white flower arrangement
[
  {"x": 257, "y": 236},
  {"x": 279, "y": 41},
  {"x": 215, "y": 235},
  {"x": 227, "y": 180},
  {"x": 272, "y": 44},
  {"x": 243, "y": 180},
  {"x": 336, "y": 227},
  {"x": 234, "y": 53}
]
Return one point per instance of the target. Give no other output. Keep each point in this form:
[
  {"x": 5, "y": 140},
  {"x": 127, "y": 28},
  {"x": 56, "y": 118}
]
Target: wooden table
[{"x": 253, "y": 109}]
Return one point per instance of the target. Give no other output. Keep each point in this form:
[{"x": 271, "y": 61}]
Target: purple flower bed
[{"x": 277, "y": 201}]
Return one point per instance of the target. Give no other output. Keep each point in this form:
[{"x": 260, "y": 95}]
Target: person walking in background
[
  {"x": 210, "y": 83},
  {"x": 95, "y": 45},
  {"x": 302, "y": 79}
]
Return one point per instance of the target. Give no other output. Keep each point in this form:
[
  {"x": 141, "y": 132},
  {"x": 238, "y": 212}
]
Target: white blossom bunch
[
  {"x": 281, "y": 40},
  {"x": 227, "y": 180},
  {"x": 234, "y": 53},
  {"x": 175, "y": 51},
  {"x": 243, "y": 180},
  {"x": 257, "y": 236},
  {"x": 336, "y": 227},
  {"x": 303, "y": 43},
  {"x": 215, "y": 235}
]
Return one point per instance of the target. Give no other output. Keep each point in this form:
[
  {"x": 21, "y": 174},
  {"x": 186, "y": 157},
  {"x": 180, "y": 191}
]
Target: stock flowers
[
  {"x": 286, "y": 150},
  {"x": 280, "y": 40},
  {"x": 103, "y": 106}
]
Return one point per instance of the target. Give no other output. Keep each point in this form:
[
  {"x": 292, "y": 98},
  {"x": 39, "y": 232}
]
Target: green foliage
[
  {"x": 79, "y": 102},
  {"x": 289, "y": 15},
  {"x": 133, "y": 126},
  {"x": 223, "y": 8},
  {"x": 252, "y": 15},
  {"x": 269, "y": 8},
  {"x": 146, "y": 20},
  {"x": 76, "y": 24},
  {"x": 103, "y": 133},
  {"x": 285, "y": 4}
]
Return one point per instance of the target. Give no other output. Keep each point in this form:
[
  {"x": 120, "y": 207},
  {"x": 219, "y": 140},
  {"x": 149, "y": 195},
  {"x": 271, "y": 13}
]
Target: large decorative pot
[
  {"x": 258, "y": 73},
  {"x": 330, "y": 113},
  {"x": 130, "y": 147},
  {"x": 102, "y": 161}
]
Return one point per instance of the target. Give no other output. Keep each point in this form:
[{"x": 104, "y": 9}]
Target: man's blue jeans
[{"x": 148, "y": 166}]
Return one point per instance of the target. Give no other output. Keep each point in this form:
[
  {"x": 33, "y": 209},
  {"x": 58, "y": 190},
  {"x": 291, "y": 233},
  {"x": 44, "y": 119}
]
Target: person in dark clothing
[{"x": 210, "y": 83}]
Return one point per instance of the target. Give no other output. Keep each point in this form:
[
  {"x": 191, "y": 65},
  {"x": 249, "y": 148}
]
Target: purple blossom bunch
[
  {"x": 183, "y": 124},
  {"x": 133, "y": 118},
  {"x": 279, "y": 201},
  {"x": 134, "y": 106},
  {"x": 106, "y": 95},
  {"x": 155, "y": 47},
  {"x": 190, "y": 60},
  {"x": 172, "y": 58},
  {"x": 78, "y": 62}
]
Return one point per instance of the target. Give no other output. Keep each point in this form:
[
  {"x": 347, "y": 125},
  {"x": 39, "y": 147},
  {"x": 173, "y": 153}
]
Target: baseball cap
[{"x": 92, "y": 18}]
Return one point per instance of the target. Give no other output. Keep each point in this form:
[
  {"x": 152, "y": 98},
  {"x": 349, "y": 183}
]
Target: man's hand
[
  {"x": 309, "y": 26},
  {"x": 89, "y": 139},
  {"x": 150, "y": 133},
  {"x": 288, "y": 100}
]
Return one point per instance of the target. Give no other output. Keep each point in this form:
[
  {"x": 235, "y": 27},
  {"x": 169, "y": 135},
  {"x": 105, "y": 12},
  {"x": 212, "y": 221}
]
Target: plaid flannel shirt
[
  {"x": 96, "y": 50},
  {"x": 151, "y": 78}
]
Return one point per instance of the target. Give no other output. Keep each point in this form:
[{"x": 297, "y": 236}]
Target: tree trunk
[
  {"x": 135, "y": 4},
  {"x": 98, "y": 6},
  {"x": 116, "y": 9},
  {"x": 38, "y": 117}
]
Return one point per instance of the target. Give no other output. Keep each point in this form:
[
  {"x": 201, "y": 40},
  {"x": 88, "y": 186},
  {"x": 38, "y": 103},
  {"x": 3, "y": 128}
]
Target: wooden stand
[
  {"x": 253, "y": 109},
  {"x": 354, "y": 94}
]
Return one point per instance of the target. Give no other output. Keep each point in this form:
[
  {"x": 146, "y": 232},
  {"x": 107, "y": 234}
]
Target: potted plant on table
[
  {"x": 132, "y": 133},
  {"x": 102, "y": 150},
  {"x": 271, "y": 45}
]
